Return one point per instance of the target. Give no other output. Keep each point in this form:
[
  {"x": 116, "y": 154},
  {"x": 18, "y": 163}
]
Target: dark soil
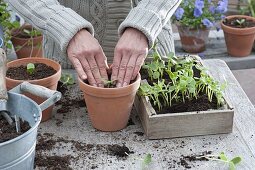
[
  {"x": 185, "y": 160},
  {"x": 233, "y": 23},
  {"x": 48, "y": 142},
  {"x": 119, "y": 151},
  {"x": 54, "y": 162},
  {"x": 66, "y": 102},
  {"x": 200, "y": 104},
  {"x": 8, "y": 132},
  {"x": 20, "y": 73}
]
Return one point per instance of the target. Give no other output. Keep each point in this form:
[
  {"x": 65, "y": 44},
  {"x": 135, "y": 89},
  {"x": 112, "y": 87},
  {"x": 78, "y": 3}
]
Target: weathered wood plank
[{"x": 245, "y": 112}]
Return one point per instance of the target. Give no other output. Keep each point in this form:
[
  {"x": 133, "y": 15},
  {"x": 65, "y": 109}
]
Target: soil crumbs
[
  {"x": 20, "y": 73},
  {"x": 49, "y": 143},
  {"x": 8, "y": 132}
]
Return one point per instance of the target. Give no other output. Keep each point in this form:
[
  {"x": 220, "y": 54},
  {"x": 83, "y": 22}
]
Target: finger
[
  {"x": 122, "y": 70},
  {"x": 95, "y": 71},
  {"x": 138, "y": 65},
  {"x": 129, "y": 70},
  {"x": 78, "y": 67},
  {"x": 87, "y": 69},
  {"x": 115, "y": 66},
  {"x": 103, "y": 67}
]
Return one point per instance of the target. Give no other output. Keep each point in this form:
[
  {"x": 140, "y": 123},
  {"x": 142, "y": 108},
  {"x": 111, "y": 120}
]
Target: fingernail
[
  {"x": 83, "y": 77},
  {"x": 118, "y": 85},
  {"x": 125, "y": 84},
  {"x": 94, "y": 85}
]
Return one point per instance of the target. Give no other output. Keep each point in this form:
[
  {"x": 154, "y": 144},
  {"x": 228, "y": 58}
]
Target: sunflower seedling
[
  {"x": 30, "y": 68},
  {"x": 67, "y": 79}
]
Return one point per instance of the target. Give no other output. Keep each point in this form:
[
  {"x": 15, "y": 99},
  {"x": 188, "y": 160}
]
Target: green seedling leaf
[
  {"x": 236, "y": 160},
  {"x": 223, "y": 156},
  {"x": 170, "y": 55},
  {"x": 156, "y": 75},
  {"x": 147, "y": 159},
  {"x": 232, "y": 166},
  {"x": 30, "y": 68},
  {"x": 26, "y": 31}
]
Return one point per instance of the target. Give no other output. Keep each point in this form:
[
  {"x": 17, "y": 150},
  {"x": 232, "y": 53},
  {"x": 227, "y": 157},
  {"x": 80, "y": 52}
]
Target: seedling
[
  {"x": 183, "y": 85},
  {"x": 67, "y": 79},
  {"x": 110, "y": 83},
  {"x": 240, "y": 21},
  {"x": 223, "y": 158},
  {"x": 146, "y": 161},
  {"x": 30, "y": 68}
]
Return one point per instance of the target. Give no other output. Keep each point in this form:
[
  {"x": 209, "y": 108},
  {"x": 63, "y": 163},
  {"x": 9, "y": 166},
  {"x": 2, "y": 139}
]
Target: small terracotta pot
[
  {"x": 48, "y": 82},
  {"x": 24, "y": 47},
  {"x": 193, "y": 40},
  {"x": 109, "y": 108},
  {"x": 239, "y": 41}
]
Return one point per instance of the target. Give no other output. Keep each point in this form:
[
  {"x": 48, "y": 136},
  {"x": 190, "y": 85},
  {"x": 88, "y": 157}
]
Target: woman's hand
[
  {"x": 88, "y": 58},
  {"x": 129, "y": 55}
]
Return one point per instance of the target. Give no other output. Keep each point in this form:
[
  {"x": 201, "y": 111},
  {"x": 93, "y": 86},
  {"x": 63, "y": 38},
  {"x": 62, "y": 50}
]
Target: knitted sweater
[{"x": 105, "y": 19}]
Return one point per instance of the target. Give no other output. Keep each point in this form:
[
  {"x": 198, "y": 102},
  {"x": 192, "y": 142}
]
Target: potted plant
[
  {"x": 239, "y": 32},
  {"x": 109, "y": 108},
  {"x": 39, "y": 71},
  {"x": 27, "y": 41},
  {"x": 180, "y": 98},
  {"x": 194, "y": 19},
  {"x": 6, "y": 25}
]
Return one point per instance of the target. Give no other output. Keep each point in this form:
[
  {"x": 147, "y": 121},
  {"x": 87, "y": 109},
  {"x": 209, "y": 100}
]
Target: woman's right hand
[{"x": 88, "y": 58}]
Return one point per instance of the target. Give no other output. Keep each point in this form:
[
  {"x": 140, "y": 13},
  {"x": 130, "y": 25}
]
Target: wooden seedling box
[{"x": 173, "y": 125}]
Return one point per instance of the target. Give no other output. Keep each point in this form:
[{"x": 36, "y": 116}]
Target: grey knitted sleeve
[
  {"x": 52, "y": 19},
  {"x": 150, "y": 16}
]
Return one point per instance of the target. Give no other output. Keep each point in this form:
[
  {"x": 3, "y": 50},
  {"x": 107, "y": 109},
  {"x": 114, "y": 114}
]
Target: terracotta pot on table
[{"x": 48, "y": 82}]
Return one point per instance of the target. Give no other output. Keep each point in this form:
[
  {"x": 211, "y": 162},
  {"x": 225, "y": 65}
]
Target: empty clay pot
[
  {"x": 193, "y": 40},
  {"x": 48, "y": 82},
  {"x": 239, "y": 41},
  {"x": 109, "y": 108}
]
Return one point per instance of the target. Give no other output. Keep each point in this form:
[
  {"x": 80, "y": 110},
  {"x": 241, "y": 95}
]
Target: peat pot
[{"x": 109, "y": 108}]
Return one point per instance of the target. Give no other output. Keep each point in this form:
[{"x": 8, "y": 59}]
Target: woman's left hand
[{"x": 129, "y": 55}]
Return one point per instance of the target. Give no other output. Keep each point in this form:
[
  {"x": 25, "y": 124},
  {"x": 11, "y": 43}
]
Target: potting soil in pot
[
  {"x": 233, "y": 22},
  {"x": 8, "y": 132},
  {"x": 20, "y": 73}
]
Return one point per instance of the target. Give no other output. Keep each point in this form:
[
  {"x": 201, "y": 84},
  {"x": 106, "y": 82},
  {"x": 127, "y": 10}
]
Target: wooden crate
[{"x": 173, "y": 125}]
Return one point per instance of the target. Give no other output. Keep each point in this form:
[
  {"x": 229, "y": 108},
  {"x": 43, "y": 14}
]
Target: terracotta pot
[
  {"x": 109, "y": 108},
  {"x": 239, "y": 41},
  {"x": 48, "y": 82},
  {"x": 193, "y": 40},
  {"x": 27, "y": 47}
]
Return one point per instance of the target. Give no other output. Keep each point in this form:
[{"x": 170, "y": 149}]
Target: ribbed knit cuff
[
  {"x": 64, "y": 24},
  {"x": 146, "y": 21}
]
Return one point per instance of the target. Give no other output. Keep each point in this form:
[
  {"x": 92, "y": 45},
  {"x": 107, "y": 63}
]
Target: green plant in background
[
  {"x": 183, "y": 85},
  {"x": 30, "y": 68},
  {"x": 249, "y": 9},
  {"x": 67, "y": 79},
  {"x": 6, "y": 23}
]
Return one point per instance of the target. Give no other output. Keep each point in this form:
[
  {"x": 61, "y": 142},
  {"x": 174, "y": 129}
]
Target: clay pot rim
[
  {"x": 138, "y": 78},
  {"x": 223, "y": 26},
  {"x": 25, "y": 39},
  {"x": 40, "y": 60}
]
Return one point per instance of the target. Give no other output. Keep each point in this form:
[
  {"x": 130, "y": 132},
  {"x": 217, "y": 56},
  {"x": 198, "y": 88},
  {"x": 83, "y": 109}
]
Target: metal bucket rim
[{"x": 32, "y": 128}]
